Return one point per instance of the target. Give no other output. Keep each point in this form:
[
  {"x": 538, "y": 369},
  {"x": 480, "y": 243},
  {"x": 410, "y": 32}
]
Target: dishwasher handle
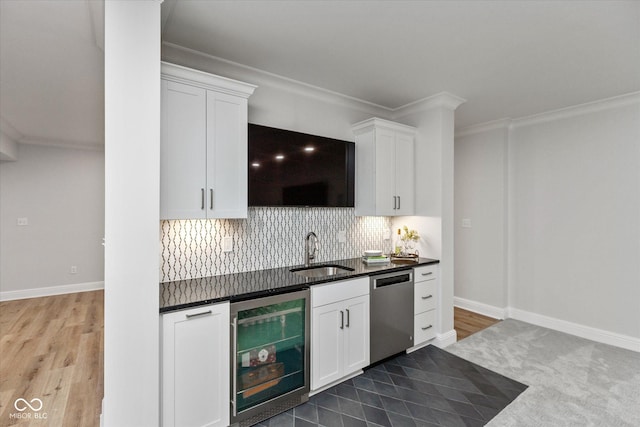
[{"x": 391, "y": 279}]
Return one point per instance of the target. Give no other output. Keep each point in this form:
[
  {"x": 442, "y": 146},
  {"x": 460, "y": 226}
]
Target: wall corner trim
[{"x": 50, "y": 291}]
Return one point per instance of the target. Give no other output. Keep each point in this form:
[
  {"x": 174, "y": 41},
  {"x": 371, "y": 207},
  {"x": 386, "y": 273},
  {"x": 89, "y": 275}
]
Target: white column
[
  {"x": 132, "y": 172},
  {"x": 434, "y": 119}
]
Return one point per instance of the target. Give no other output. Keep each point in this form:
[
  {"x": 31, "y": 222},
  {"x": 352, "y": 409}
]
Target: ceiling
[{"x": 507, "y": 58}]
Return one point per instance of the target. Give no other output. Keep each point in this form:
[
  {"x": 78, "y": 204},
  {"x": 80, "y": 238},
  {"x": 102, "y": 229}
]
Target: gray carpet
[{"x": 572, "y": 381}]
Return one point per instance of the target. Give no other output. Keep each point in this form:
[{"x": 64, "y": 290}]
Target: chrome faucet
[{"x": 309, "y": 256}]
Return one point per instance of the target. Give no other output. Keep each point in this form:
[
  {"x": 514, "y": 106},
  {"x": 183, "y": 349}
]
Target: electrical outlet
[
  {"x": 466, "y": 223},
  {"x": 23, "y": 221},
  {"x": 227, "y": 244},
  {"x": 386, "y": 234},
  {"x": 342, "y": 236},
  {"x": 73, "y": 270}
]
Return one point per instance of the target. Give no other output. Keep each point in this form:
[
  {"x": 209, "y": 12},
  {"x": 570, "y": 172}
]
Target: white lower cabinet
[
  {"x": 339, "y": 330},
  {"x": 425, "y": 304},
  {"x": 195, "y": 367}
]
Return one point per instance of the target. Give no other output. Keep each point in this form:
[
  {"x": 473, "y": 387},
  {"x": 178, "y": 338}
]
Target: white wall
[
  {"x": 481, "y": 197},
  {"x": 132, "y": 196},
  {"x": 576, "y": 214},
  {"x": 572, "y": 219},
  {"x": 61, "y": 193}
]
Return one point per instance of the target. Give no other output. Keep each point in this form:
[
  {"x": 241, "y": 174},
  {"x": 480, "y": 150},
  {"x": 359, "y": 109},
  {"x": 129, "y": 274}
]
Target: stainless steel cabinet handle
[
  {"x": 347, "y": 317},
  {"x": 202, "y": 198},
  {"x": 427, "y": 327},
  {"x": 211, "y": 201},
  {"x": 427, "y": 297},
  {"x": 428, "y": 273},
  {"x": 204, "y": 313},
  {"x": 395, "y": 202},
  {"x": 398, "y": 202},
  {"x": 341, "y": 319}
]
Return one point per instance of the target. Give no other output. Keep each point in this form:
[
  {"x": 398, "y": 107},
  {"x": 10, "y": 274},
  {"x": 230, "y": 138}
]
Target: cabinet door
[
  {"x": 226, "y": 156},
  {"x": 356, "y": 352},
  {"x": 327, "y": 344},
  {"x": 183, "y": 151},
  {"x": 385, "y": 172},
  {"x": 195, "y": 367},
  {"x": 404, "y": 174}
]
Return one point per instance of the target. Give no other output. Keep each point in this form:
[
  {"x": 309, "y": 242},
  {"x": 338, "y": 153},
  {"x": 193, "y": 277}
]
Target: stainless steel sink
[{"x": 321, "y": 270}]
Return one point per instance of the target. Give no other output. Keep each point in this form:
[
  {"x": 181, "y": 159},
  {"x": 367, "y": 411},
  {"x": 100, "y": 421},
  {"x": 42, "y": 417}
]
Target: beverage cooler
[{"x": 269, "y": 356}]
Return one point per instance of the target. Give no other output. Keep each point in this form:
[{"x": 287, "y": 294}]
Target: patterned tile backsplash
[{"x": 268, "y": 238}]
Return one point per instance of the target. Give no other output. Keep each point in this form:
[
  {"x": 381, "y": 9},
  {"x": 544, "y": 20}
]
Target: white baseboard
[
  {"x": 51, "y": 290},
  {"x": 481, "y": 308},
  {"x": 593, "y": 334},
  {"x": 446, "y": 339}
]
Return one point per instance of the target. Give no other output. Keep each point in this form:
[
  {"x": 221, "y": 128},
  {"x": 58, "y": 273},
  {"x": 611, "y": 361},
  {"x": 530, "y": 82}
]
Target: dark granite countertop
[{"x": 189, "y": 293}]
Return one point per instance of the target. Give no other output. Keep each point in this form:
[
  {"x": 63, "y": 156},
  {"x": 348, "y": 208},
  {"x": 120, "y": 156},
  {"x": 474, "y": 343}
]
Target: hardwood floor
[
  {"x": 467, "y": 322},
  {"x": 52, "y": 349}
]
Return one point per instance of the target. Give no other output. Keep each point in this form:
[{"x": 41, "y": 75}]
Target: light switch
[
  {"x": 466, "y": 223},
  {"x": 227, "y": 244}
]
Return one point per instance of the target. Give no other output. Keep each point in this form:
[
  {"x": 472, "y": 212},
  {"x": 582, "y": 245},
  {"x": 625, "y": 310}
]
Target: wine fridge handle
[{"x": 234, "y": 395}]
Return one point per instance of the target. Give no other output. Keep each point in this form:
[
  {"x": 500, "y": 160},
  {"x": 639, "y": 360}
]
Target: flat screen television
[{"x": 288, "y": 168}]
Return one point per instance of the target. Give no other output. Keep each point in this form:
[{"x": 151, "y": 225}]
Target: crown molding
[
  {"x": 181, "y": 74},
  {"x": 578, "y": 110},
  {"x": 548, "y": 116},
  {"x": 267, "y": 79},
  {"x": 439, "y": 100},
  {"x": 16, "y": 136},
  {"x": 376, "y": 122},
  {"x": 484, "y": 127},
  {"x": 166, "y": 13},
  {"x": 8, "y": 129},
  {"x": 60, "y": 143}
]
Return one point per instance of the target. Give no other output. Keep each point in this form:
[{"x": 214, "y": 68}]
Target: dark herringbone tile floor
[{"x": 429, "y": 387}]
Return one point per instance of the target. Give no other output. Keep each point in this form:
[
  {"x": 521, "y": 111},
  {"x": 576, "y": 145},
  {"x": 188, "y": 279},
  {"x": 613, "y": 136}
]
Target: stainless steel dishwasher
[{"x": 391, "y": 314}]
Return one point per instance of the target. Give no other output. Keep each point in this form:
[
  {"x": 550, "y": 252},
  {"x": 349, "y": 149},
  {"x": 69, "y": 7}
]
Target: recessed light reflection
[
  {"x": 255, "y": 164},
  {"x": 309, "y": 149},
  {"x": 279, "y": 157}
]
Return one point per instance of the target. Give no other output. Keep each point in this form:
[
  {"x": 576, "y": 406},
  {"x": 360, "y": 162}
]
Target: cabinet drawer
[
  {"x": 428, "y": 272},
  {"x": 424, "y": 327},
  {"x": 338, "y": 291},
  {"x": 425, "y": 296}
]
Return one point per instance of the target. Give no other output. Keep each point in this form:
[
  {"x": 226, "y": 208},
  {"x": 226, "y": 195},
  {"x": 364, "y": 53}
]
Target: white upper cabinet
[
  {"x": 385, "y": 171},
  {"x": 203, "y": 160}
]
